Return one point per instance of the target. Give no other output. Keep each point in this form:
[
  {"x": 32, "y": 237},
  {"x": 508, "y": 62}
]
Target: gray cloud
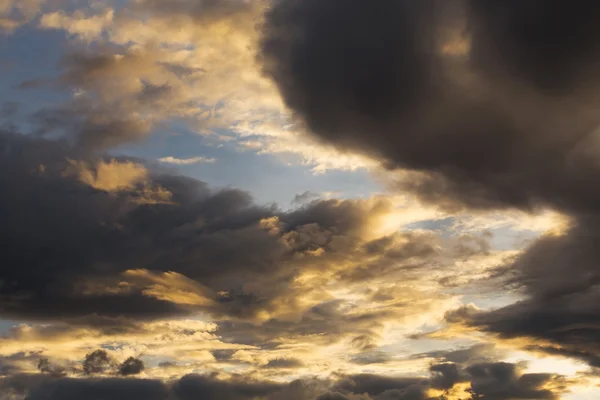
[
  {"x": 497, "y": 381},
  {"x": 284, "y": 363},
  {"x": 93, "y": 240},
  {"x": 475, "y": 354},
  {"x": 99, "y": 389},
  {"x": 500, "y": 381},
  {"x": 391, "y": 90},
  {"x": 559, "y": 276},
  {"x": 131, "y": 366},
  {"x": 552, "y": 55},
  {"x": 204, "y": 11},
  {"x": 485, "y": 105}
]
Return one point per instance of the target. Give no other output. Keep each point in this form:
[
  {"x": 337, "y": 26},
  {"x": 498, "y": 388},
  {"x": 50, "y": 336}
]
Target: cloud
[
  {"x": 14, "y": 13},
  {"x": 144, "y": 64},
  {"x": 187, "y": 161},
  {"x": 497, "y": 381},
  {"x": 109, "y": 253},
  {"x": 464, "y": 136},
  {"x": 109, "y": 175},
  {"x": 557, "y": 275},
  {"x": 131, "y": 366},
  {"x": 161, "y": 268},
  {"x": 96, "y": 389},
  {"x": 86, "y": 28},
  {"x": 97, "y": 362},
  {"x": 555, "y": 56},
  {"x": 143, "y": 245},
  {"x": 284, "y": 363},
  {"x": 496, "y": 113}
]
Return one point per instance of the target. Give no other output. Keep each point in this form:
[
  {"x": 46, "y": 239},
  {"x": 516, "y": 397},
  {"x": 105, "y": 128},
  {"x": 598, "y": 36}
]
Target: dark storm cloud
[
  {"x": 548, "y": 43},
  {"x": 496, "y": 381},
  {"x": 73, "y": 227},
  {"x": 131, "y": 366},
  {"x": 99, "y": 389},
  {"x": 375, "y": 77},
  {"x": 332, "y": 396},
  {"x": 486, "y": 105},
  {"x": 445, "y": 376},
  {"x": 492, "y": 380},
  {"x": 192, "y": 387},
  {"x": 376, "y": 384}
]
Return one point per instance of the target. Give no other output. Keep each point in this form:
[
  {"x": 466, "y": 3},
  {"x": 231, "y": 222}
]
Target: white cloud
[{"x": 187, "y": 161}]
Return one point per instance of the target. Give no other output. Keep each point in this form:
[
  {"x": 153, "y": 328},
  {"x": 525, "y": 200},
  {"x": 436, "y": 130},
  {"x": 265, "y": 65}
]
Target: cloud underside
[
  {"x": 498, "y": 381},
  {"x": 483, "y": 105}
]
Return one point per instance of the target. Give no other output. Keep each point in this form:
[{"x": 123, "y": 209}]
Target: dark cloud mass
[
  {"x": 384, "y": 78},
  {"x": 485, "y": 104},
  {"x": 131, "y": 366},
  {"x": 547, "y": 43},
  {"x": 97, "y": 362},
  {"x": 92, "y": 240},
  {"x": 496, "y": 381}
]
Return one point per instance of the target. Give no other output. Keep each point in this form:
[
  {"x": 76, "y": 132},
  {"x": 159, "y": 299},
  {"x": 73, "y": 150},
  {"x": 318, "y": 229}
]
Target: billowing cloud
[
  {"x": 498, "y": 381},
  {"x": 141, "y": 245},
  {"x": 485, "y": 140},
  {"x": 497, "y": 112}
]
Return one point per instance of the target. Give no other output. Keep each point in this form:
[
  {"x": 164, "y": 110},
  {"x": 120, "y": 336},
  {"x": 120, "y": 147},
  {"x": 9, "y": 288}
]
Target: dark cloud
[
  {"x": 131, "y": 366},
  {"x": 484, "y": 105},
  {"x": 284, "y": 363},
  {"x": 496, "y": 381},
  {"x": 16, "y": 363},
  {"x": 20, "y": 385},
  {"x": 99, "y": 389},
  {"x": 192, "y": 387},
  {"x": 559, "y": 275},
  {"x": 45, "y": 366},
  {"x": 501, "y": 381},
  {"x": 445, "y": 376},
  {"x": 332, "y": 396},
  {"x": 97, "y": 362},
  {"x": 376, "y": 78},
  {"x": 220, "y": 246},
  {"x": 376, "y": 384},
  {"x": 547, "y": 43}
]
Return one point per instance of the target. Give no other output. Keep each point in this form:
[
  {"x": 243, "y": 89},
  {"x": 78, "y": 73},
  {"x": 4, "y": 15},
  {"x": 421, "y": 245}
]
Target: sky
[{"x": 299, "y": 200}]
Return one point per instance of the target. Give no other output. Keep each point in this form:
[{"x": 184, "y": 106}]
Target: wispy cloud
[{"x": 187, "y": 161}]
